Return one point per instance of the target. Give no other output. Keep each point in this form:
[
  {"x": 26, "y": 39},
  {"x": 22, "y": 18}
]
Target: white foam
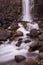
[
  {"x": 22, "y": 29},
  {"x": 32, "y": 26},
  {"x": 8, "y": 52}
]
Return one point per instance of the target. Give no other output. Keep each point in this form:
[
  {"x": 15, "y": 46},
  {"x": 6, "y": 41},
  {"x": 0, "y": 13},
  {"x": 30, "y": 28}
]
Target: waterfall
[{"x": 26, "y": 16}]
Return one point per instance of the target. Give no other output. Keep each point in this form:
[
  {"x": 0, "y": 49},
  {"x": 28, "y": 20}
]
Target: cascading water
[
  {"x": 26, "y": 16},
  {"x": 9, "y": 51}
]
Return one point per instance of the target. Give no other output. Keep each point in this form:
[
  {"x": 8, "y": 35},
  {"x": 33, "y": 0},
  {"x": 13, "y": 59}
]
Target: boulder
[
  {"x": 41, "y": 56},
  {"x": 30, "y": 61},
  {"x": 19, "y": 58},
  {"x": 41, "y": 37},
  {"x": 40, "y": 43},
  {"x": 41, "y": 62},
  {"x": 33, "y": 33},
  {"x": 4, "y": 35},
  {"x": 27, "y": 41},
  {"x": 40, "y": 24},
  {"x": 14, "y": 26},
  {"x": 18, "y": 33},
  {"x": 41, "y": 49},
  {"x": 19, "y": 43},
  {"x": 34, "y": 46}
]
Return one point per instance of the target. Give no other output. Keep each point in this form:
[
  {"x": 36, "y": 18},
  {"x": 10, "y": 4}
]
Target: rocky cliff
[{"x": 10, "y": 9}]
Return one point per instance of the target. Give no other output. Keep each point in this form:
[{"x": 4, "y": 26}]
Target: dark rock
[
  {"x": 41, "y": 49},
  {"x": 41, "y": 37},
  {"x": 14, "y": 26},
  {"x": 41, "y": 56},
  {"x": 40, "y": 43},
  {"x": 20, "y": 39},
  {"x": 41, "y": 62},
  {"x": 18, "y": 34},
  {"x": 27, "y": 41},
  {"x": 34, "y": 46},
  {"x": 19, "y": 43},
  {"x": 24, "y": 24},
  {"x": 28, "y": 34},
  {"x": 4, "y": 35},
  {"x": 19, "y": 58},
  {"x": 40, "y": 24},
  {"x": 33, "y": 33},
  {"x": 30, "y": 61},
  {"x": 2, "y": 21}
]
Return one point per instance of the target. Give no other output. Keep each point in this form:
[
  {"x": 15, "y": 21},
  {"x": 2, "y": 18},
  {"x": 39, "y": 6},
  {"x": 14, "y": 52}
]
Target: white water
[
  {"x": 26, "y": 16},
  {"x": 9, "y": 51}
]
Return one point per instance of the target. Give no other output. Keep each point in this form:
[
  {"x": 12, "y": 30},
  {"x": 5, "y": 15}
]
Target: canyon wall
[
  {"x": 10, "y": 9},
  {"x": 38, "y": 9}
]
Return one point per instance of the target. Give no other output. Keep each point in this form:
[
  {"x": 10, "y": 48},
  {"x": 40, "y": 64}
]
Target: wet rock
[
  {"x": 4, "y": 35},
  {"x": 28, "y": 34},
  {"x": 41, "y": 37},
  {"x": 40, "y": 43},
  {"x": 41, "y": 49},
  {"x": 40, "y": 24},
  {"x": 34, "y": 46},
  {"x": 41, "y": 56},
  {"x": 30, "y": 61},
  {"x": 18, "y": 34},
  {"x": 24, "y": 24},
  {"x": 33, "y": 33},
  {"x": 19, "y": 43},
  {"x": 27, "y": 41},
  {"x": 14, "y": 26},
  {"x": 2, "y": 21},
  {"x": 20, "y": 39},
  {"x": 19, "y": 58},
  {"x": 41, "y": 62}
]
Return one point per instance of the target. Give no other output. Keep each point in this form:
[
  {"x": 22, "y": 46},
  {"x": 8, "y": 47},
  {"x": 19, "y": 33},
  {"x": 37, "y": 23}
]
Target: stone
[
  {"x": 34, "y": 46},
  {"x": 41, "y": 49},
  {"x": 14, "y": 26},
  {"x": 19, "y": 43},
  {"x": 33, "y": 33},
  {"x": 40, "y": 24},
  {"x": 40, "y": 43},
  {"x": 30, "y": 61},
  {"x": 20, "y": 39},
  {"x": 28, "y": 34},
  {"x": 4, "y": 35},
  {"x": 24, "y": 24},
  {"x": 41, "y": 56},
  {"x": 2, "y": 21},
  {"x": 18, "y": 33},
  {"x": 27, "y": 41},
  {"x": 19, "y": 58},
  {"x": 41, "y": 62},
  {"x": 41, "y": 37}
]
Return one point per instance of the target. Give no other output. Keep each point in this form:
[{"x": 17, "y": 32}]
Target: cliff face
[
  {"x": 10, "y": 9},
  {"x": 38, "y": 9}
]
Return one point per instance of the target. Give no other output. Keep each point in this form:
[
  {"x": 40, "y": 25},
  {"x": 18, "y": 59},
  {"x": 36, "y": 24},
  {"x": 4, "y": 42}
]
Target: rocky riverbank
[{"x": 27, "y": 40}]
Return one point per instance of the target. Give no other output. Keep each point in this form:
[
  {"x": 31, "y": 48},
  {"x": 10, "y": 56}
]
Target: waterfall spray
[{"x": 26, "y": 16}]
